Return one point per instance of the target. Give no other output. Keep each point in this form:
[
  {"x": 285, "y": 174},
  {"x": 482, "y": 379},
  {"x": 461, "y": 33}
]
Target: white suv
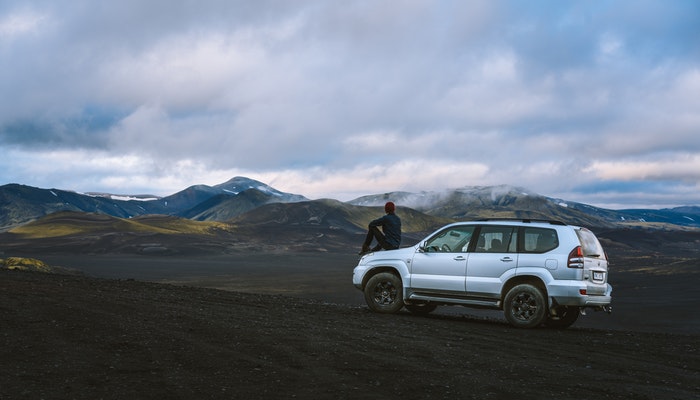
[{"x": 537, "y": 272}]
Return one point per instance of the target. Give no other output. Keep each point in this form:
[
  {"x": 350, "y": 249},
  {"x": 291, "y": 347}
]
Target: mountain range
[
  {"x": 504, "y": 201},
  {"x": 236, "y": 199},
  {"x": 247, "y": 215},
  {"x": 20, "y": 204}
]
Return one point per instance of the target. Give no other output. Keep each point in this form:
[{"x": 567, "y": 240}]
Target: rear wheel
[
  {"x": 525, "y": 306},
  {"x": 384, "y": 293},
  {"x": 563, "y": 317}
]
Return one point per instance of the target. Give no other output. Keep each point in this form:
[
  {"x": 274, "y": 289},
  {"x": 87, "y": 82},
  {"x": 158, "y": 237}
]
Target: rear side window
[
  {"x": 497, "y": 239},
  {"x": 589, "y": 243},
  {"x": 539, "y": 240}
]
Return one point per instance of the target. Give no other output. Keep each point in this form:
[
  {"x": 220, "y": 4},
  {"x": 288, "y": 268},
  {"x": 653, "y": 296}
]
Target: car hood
[{"x": 402, "y": 253}]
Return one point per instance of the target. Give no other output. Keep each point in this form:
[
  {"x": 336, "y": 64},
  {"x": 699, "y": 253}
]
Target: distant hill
[
  {"x": 505, "y": 201},
  {"x": 332, "y": 214},
  {"x": 184, "y": 201},
  {"x": 308, "y": 226},
  {"x": 318, "y": 225},
  {"x": 223, "y": 207},
  {"x": 241, "y": 184},
  {"x": 92, "y": 233},
  {"x": 20, "y": 204},
  {"x": 486, "y": 202},
  {"x": 683, "y": 216}
]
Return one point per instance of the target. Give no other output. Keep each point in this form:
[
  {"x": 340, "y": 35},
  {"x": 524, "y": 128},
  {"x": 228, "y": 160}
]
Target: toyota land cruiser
[{"x": 537, "y": 272}]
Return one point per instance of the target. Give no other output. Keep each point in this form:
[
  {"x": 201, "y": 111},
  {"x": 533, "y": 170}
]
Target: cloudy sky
[{"x": 590, "y": 101}]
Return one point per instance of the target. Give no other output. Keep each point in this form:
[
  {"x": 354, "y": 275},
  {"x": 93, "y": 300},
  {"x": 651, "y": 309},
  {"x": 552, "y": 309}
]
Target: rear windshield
[{"x": 589, "y": 243}]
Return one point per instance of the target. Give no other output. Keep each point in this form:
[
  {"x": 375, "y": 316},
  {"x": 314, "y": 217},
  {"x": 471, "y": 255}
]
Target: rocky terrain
[{"x": 78, "y": 337}]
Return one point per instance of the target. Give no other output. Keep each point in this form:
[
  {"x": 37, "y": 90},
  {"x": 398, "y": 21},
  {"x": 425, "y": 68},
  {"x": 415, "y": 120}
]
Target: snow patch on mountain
[
  {"x": 240, "y": 184},
  {"x": 122, "y": 197}
]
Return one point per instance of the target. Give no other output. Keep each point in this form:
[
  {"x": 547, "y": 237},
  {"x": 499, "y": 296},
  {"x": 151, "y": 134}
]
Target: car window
[
  {"x": 589, "y": 243},
  {"x": 539, "y": 240},
  {"x": 497, "y": 239},
  {"x": 451, "y": 240}
]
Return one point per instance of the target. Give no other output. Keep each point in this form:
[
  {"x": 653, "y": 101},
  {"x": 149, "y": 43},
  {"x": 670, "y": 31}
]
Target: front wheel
[
  {"x": 525, "y": 306},
  {"x": 384, "y": 293}
]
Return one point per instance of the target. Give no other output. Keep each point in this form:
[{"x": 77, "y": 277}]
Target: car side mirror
[{"x": 423, "y": 246}]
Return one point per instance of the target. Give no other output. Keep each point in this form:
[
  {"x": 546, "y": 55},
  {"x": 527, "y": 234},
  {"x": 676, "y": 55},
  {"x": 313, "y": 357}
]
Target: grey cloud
[
  {"x": 268, "y": 86},
  {"x": 89, "y": 129}
]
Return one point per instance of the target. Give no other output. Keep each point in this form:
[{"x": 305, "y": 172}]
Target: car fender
[
  {"x": 381, "y": 265},
  {"x": 526, "y": 273}
]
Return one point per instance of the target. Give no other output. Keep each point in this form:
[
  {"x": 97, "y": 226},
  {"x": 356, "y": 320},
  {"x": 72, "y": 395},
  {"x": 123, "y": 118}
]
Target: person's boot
[{"x": 365, "y": 250}]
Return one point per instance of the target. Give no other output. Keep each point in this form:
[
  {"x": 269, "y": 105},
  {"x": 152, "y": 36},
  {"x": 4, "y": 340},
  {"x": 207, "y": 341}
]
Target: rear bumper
[{"x": 576, "y": 293}]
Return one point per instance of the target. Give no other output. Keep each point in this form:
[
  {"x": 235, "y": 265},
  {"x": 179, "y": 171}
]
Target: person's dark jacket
[{"x": 391, "y": 226}]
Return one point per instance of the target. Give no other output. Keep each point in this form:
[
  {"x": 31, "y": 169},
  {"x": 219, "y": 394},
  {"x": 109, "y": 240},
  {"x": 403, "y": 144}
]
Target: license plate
[{"x": 598, "y": 276}]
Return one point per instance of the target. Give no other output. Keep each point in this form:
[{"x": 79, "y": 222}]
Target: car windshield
[{"x": 451, "y": 240}]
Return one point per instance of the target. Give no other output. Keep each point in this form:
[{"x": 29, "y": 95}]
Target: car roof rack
[{"x": 525, "y": 220}]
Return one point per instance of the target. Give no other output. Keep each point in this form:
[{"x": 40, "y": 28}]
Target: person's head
[{"x": 389, "y": 207}]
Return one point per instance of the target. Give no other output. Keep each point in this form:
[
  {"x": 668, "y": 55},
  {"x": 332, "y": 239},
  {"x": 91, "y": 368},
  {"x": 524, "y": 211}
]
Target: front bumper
[{"x": 358, "y": 275}]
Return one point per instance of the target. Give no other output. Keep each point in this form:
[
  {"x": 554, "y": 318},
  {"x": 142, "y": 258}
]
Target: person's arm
[{"x": 377, "y": 222}]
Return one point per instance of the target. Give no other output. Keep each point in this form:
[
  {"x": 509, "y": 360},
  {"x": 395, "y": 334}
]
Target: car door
[
  {"x": 493, "y": 258},
  {"x": 440, "y": 266}
]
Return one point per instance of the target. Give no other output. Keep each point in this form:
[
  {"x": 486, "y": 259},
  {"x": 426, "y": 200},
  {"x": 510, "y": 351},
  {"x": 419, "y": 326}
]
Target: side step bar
[{"x": 453, "y": 300}]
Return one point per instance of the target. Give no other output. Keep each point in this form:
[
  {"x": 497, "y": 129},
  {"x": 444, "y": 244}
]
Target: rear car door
[{"x": 492, "y": 258}]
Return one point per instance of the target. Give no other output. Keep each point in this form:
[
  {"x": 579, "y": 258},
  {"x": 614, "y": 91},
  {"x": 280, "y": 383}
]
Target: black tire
[
  {"x": 564, "y": 318},
  {"x": 525, "y": 306},
  {"x": 384, "y": 293},
  {"x": 421, "y": 308}
]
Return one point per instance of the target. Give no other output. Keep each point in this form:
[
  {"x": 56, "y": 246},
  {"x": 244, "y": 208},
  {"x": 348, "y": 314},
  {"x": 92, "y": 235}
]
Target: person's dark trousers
[{"x": 375, "y": 233}]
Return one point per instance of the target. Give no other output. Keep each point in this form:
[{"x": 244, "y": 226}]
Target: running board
[{"x": 456, "y": 301}]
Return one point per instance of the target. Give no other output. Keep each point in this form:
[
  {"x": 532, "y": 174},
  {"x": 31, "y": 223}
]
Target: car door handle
[
  {"x": 459, "y": 258},
  {"x": 506, "y": 259}
]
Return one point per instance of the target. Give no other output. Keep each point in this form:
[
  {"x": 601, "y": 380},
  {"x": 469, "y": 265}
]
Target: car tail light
[{"x": 575, "y": 258}]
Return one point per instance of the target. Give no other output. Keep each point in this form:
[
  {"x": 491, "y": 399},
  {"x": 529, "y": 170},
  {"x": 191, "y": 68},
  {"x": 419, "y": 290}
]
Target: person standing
[{"x": 389, "y": 237}]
